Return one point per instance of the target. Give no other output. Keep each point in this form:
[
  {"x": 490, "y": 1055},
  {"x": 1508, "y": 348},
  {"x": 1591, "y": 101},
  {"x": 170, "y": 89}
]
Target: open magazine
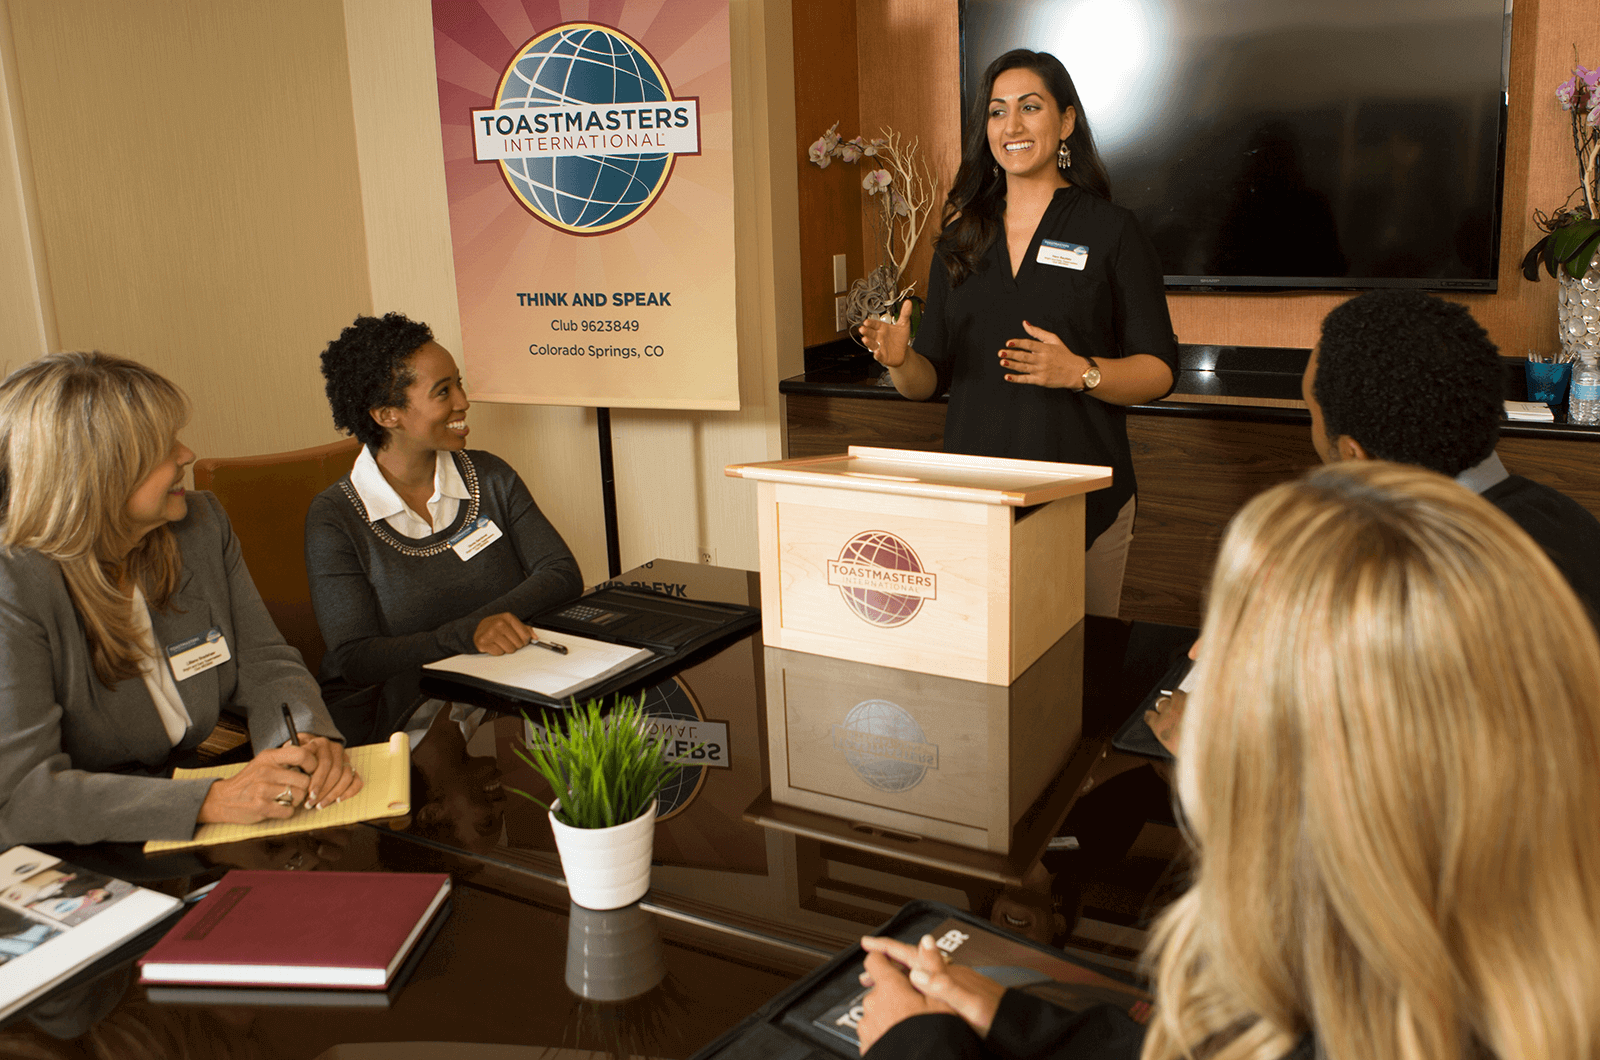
[
  {"x": 1013, "y": 964},
  {"x": 56, "y": 919}
]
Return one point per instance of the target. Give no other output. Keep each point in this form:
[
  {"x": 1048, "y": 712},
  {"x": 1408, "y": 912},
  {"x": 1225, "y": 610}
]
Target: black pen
[
  {"x": 294, "y": 734},
  {"x": 550, "y": 645}
]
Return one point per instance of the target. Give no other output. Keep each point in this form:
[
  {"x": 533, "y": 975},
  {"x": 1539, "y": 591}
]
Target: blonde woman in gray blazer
[{"x": 128, "y": 621}]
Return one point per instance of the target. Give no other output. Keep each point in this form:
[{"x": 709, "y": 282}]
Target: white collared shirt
[
  {"x": 383, "y": 503},
  {"x": 1486, "y": 474},
  {"x": 157, "y": 674}
]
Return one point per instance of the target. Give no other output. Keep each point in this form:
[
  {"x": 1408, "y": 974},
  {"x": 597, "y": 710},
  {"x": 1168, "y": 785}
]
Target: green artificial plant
[{"x": 603, "y": 767}]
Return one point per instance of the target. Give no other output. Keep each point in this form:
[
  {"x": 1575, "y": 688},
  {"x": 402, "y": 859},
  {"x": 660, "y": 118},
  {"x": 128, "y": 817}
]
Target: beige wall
[{"x": 215, "y": 187}]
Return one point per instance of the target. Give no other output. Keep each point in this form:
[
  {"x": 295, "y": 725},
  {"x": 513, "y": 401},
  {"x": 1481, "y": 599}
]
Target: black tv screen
[{"x": 1287, "y": 143}]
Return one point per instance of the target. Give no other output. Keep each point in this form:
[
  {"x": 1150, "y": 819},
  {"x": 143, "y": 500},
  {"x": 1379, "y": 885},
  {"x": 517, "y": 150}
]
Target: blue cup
[{"x": 1548, "y": 382}]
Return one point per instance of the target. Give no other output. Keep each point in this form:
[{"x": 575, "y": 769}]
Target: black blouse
[{"x": 1112, "y": 307}]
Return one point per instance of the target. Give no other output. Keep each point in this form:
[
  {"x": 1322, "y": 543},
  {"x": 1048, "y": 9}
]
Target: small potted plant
[{"x": 605, "y": 772}]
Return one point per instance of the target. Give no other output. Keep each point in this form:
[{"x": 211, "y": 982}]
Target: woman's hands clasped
[
  {"x": 333, "y": 779},
  {"x": 928, "y": 984},
  {"x": 275, "y": 782}
]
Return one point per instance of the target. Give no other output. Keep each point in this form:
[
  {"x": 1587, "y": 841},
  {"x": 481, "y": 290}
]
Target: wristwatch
[{"x": 1091, "y": 375}]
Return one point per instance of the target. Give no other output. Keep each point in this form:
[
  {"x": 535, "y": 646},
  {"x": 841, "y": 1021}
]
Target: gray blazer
[{"x": 80, "y": 762}]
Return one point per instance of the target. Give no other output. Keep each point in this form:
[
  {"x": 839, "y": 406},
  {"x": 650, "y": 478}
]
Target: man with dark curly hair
[
  {"x": 1405, "y": 376},
  {"x": 426, "y": 549}
]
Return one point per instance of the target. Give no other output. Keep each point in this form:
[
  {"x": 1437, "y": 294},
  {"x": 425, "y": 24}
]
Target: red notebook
[{"x": 323, "y": 929}]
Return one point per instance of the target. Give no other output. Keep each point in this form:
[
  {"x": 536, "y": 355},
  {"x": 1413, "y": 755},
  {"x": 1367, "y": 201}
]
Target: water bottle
[{"x": 1583, "y": 404}]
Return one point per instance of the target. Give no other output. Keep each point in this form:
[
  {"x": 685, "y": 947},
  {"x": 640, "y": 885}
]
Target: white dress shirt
[
  {"x": 157, "y": 674},
  {"x": 383, "y": 503}
]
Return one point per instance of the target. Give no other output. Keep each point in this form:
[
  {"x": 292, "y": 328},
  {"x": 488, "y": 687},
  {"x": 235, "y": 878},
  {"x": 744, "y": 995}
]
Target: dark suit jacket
[
  {"x": 1564, "y": 528},
  {"x": 80, "y": 762}
]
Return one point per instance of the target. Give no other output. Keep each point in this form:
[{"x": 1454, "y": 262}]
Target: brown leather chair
[{"x": 267, "y": 498}]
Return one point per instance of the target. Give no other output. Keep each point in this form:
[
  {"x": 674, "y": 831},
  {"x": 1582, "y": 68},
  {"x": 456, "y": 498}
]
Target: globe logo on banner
[
  {"x": 885, "y": 745},
  {"x": 881, "y": 578},
  {"x": 585, "y": 128}
]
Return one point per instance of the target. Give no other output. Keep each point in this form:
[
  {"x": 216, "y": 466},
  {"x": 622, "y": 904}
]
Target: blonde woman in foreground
[
  {"x": 1388, "y": 769},
  {"x": 128, "y": 621}
]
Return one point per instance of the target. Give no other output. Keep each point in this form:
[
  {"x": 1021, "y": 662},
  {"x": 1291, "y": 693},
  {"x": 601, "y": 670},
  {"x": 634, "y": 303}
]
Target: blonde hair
[
  {"x": 1388, "y": 765},
  {"x": 78, "y": 433}
]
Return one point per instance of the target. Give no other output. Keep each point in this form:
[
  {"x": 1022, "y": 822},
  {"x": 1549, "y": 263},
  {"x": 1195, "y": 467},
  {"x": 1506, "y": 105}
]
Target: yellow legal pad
[{"x": 385, "y": 769}]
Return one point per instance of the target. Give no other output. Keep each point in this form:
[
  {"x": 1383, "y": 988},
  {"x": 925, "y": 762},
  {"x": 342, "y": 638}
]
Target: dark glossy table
[{"x": 747, "y": 894}]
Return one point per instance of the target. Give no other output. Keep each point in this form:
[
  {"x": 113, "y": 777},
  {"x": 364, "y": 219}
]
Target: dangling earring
[
  {"x": 1063, "y": 156},
  {"x": 996, "y": 168}
]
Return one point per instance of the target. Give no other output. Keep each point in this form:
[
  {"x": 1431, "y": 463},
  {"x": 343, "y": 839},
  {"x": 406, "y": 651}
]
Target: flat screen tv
[{"x": 1287, "y": 143}]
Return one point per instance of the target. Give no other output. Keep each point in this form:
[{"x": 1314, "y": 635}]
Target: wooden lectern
[{"x": 960, "y": 566}]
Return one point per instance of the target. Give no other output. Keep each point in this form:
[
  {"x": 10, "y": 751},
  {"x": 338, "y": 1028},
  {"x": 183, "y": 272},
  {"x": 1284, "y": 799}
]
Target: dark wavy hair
[
  {"x": 369, "y": 367},
  {"x": 972, "y": 211},
  {"x": 1411, "y": 377}
]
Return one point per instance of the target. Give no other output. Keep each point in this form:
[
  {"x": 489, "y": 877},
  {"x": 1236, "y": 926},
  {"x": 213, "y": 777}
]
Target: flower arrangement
[
  {"x": 1572, "y": 233},
  {"x": 902, "y": 187},
  {"x": 603, "y": 768}
]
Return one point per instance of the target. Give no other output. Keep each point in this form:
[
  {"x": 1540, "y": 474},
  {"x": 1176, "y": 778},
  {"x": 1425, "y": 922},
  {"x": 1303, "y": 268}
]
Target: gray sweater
[
  {"x": 78, "y": 760},
  {"x": 387, "y": 604}
]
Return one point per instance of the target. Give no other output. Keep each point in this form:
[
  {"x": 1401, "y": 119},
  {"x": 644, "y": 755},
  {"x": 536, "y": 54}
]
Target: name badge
[
  {"x": 198, "y": 654},
  {"x": 1063, "y": 255},
  {"x": 475, "y": 538}
]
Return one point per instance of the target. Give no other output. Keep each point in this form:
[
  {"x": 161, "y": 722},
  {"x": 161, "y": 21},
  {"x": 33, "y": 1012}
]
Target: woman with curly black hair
[{"x": 425, "y": 549}]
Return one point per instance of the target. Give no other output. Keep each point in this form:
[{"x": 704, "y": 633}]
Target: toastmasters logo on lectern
[
  {"x": 585, "y": 128},
  {"x": 881, "y": 578}
]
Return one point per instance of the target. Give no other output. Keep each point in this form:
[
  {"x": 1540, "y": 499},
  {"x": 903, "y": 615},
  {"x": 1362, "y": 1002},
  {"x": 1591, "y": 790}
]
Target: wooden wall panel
[
  {"x": 821, "y": 425},
  {"x": 1565, "y": 466},
  {"x": 910, "y": 62},
  {"x": 1193, "y": 476},
  {"x": 198, "y": 201},
  {"x": 830, "y": 199}
]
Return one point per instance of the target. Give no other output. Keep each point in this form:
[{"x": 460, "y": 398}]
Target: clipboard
[
  {"x": 385, "y": 770},
  {"x": 1135, "y": 737},
  {"x": 807, "y": 1020}
]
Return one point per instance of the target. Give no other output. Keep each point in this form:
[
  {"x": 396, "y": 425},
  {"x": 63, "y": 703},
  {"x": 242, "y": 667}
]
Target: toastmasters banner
[{"x": 588, "y": 158}]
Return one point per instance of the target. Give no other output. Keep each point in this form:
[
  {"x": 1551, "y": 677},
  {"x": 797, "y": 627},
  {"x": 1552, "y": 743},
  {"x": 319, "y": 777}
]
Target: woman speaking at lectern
[
  {"x": 425, "y": 550},
  {"x": 1046, "y": 312}
]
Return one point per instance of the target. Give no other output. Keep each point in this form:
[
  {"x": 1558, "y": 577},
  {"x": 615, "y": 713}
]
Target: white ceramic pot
[{"x": 607, "y": 868}]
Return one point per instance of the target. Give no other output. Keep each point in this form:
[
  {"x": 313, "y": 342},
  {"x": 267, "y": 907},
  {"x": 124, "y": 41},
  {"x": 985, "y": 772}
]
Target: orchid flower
[
  {"x": 1565, "y": 92},
  {"x": 822, "y": 152},
  {"x": 876, "y": 181}
]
